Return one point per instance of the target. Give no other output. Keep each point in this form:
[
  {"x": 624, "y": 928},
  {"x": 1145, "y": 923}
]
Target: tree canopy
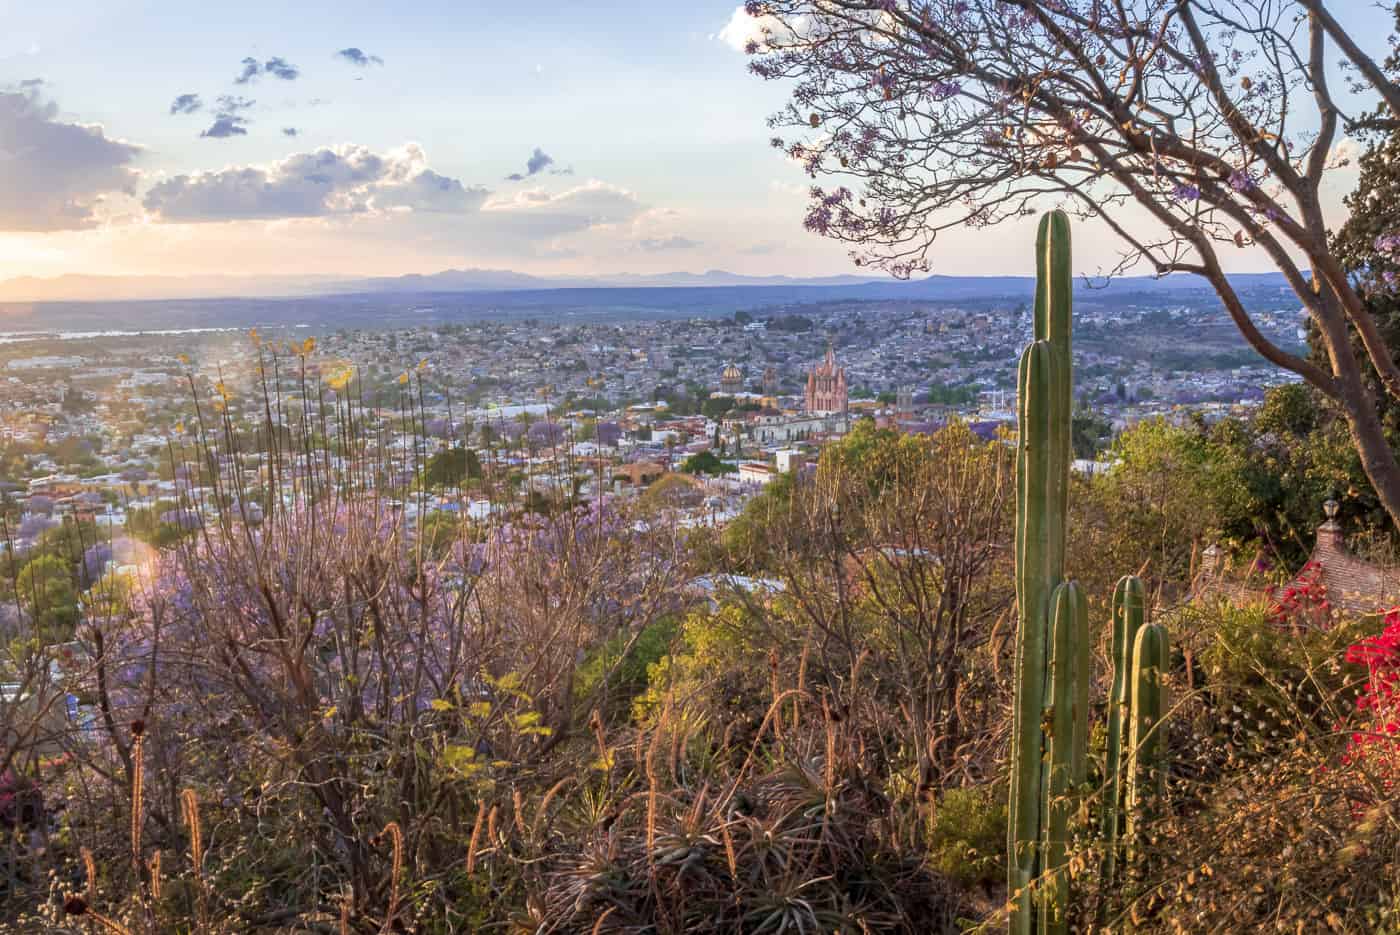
[{"x": 1178, "y": 125}]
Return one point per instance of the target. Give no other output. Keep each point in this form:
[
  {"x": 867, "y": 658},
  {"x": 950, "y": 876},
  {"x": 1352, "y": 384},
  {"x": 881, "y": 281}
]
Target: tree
[
  {"x": 705, "y": 462},
  {"x": 451, "y": 467},
  {"x": 46, "y": 592},
  {"x": 952, "y": 113},
  {"x": 716, "y": 406},
  {"x": 1367, "y": 249},
  {"x": 1090, "y": 431}
]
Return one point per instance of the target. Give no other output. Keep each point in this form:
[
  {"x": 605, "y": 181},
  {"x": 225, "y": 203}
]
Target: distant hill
[
  {"x": 81, "y": 288},
  {"x": 408, "y": 301}
]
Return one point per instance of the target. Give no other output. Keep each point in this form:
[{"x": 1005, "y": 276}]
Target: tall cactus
[
  {"x": 1042, "y": 485},
  {"x": 1050, "y": 727}
]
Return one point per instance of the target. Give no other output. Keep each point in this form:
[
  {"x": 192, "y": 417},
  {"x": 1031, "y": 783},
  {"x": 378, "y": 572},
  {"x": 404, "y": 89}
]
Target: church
[{"x": 826, "y": 386}]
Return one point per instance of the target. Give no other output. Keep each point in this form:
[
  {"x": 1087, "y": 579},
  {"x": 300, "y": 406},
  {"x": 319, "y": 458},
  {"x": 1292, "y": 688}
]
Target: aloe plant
[{"x": 1050, "y": 723}]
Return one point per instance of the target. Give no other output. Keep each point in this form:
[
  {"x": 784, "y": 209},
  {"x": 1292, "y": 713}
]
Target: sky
[{"x": 150, "y": 138}]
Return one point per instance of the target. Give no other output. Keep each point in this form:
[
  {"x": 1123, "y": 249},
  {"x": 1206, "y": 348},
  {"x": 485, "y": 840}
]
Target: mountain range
[
  {"x": 92, "y": 303},
  {"x": 85, "y": 288}
]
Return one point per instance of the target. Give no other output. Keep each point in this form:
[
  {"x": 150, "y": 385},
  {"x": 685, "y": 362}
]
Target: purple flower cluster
[
  {"x": 1184, "y": 191},
  {"x": 943, "y": 90},
  {"x": 1388, "y": 244}
]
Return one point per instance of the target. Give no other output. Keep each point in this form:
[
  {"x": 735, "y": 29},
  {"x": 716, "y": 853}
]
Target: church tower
[
  {"x": 904, "y": 401},
  {"x": 770, "y": 382},
  {"x": 731, "y": 381},
  {"x": 826, "y": 386}
]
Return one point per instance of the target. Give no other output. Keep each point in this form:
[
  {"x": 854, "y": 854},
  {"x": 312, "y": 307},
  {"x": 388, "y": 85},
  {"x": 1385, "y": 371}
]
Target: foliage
[
  {"x": 452, "y": 467},
  {"x": 967, "y": 835},
  {"x": 714, "y": 407},
  {"x": 908, "y": 135},
  {"x": 46, "y": 593},
  {"x": 706, "y": 462}
]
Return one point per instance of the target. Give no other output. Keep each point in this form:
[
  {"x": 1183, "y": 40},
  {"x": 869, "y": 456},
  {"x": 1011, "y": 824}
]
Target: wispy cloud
[
  {"x": 276, "y": 66},
  {"x": 228, "y": 119},
  {"x": 359, "y": 57},
  {"x": 539, "y": 161},
  {"x": 674, "y": 242},
  {"x": 186, "y": 104}
]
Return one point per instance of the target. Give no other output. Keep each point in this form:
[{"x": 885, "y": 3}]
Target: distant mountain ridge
[{"x": 84, "y": 288}]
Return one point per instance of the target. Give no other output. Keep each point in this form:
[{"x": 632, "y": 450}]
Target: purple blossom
[
  {"x": 1185, "y": 191},
  {"x": 1388, "y": 243},
  {"x": 609, "y": 434},
  {"x": 942, "y": 90}
]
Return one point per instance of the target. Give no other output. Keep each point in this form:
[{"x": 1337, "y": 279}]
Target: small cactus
[{"x": 1146, "y": 774}]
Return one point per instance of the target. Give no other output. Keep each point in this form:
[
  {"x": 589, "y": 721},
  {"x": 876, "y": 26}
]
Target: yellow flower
[
  {"x": 257, "y": 339},
  {"x": 308, "y": 346},
  {"x": 342, "y": 379},
  {"x": 403, "y": 378}
]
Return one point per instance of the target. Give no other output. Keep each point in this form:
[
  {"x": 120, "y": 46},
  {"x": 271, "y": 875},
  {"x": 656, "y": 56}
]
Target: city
[{"x": 87, "y": 421}]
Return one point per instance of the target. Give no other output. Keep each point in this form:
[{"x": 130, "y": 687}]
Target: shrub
[{"x": 967, "y": 835}]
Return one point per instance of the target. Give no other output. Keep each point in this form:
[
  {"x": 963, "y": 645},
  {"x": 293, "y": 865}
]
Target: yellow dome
[{"x": 733, "y": 373}]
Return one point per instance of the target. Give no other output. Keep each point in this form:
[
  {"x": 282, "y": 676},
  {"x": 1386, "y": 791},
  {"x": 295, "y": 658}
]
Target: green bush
[
  {"x": 624, "y": 668},
  {"x": 967, "y": 835}
]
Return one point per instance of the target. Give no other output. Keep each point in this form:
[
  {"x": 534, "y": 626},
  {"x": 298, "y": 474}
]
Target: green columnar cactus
[
  {"x": 1146, "y": 775},
  {"x": 1042, "y": 481},
  {"x": 1050, "y": 729},
  {"x": 1127, "y": 616},
  {"x": 1066, "y": 723}
]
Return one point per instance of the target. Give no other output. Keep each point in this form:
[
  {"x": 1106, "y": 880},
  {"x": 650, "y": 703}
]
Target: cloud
[
  {"x": 251, "y": 68},
  {"x": 227, "y": 119},
  {"x": 290, "y": 131},
  {"x": 535, "y": 213},
  {"x": 224, "y": 126},
  {"x": 186, "y": 104},
  {"x": 745, "y": 33},
  {"x": 674, "y": 242},
  {"x": 276, "y": 66},
  {"x": 55, "y": 174},
  {"x": 279, "y": 67},
  {"x": 359, "y": 57},
  {"x": 539, "y": 161},
  {"x": 342, "y": 180}
]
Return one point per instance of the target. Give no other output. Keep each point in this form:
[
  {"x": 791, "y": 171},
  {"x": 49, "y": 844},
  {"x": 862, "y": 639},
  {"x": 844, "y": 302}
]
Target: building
[
  {"x": 1350, "y": 583},
  {"x": 826, "y": 386},
  {"x": 731, "y": 381},
  {"x": 770, "y": 381},
  {"x": 790, "y": 460},
  {"x": 756, "y": 473},
  {"x": 904, "y": 401},
  {"x": 638, "y": 473}
]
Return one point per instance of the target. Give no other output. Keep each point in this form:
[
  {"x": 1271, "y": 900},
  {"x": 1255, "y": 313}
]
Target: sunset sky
[{"x": 548, "y": 138}]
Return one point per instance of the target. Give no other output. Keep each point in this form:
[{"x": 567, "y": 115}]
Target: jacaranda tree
[{"x": 1189, "y": 128}]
